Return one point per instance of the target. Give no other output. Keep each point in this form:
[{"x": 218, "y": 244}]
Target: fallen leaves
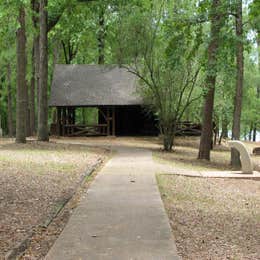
[
  {"x": 213, "y": 219},
  {"x": 34, "y": 179}
]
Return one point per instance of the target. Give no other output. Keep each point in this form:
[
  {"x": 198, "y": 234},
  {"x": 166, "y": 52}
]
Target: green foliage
[
  {"x": 254, "y": 15},
  {"x": 165, "y": 54},
  {"x": 164, "y": 42}
]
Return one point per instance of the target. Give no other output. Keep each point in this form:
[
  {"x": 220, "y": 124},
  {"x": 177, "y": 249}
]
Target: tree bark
[
  {"x": 216, "y": 131},
  {"x": 43, "y": 133},
  {"x": 254, "y": 132},
  {"x": 258, "y": 86},
  {"x": 225, "y": 126},
  {"x": 101, "y": 36},
  {"x": 235, "y": 157},
  {"x": 250, "y": 131},
  {"x": 21, "y": 104},
  {"x": 258, "y": 51},
  {"x": 32, "y": 92},
  {"x": 9, "y": 103},
  {"x": 206, "y": 135},
  {"x": 35, "y": 6},
  {"x": 37, "y": 66}
]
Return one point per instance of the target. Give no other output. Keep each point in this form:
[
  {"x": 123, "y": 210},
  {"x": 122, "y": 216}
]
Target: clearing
[{"x": 210, "y": 218}]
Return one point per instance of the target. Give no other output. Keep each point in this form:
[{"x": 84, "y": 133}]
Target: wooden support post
[
  {"x": 73, "y": 119},
  {"x": 63, "y": 121},
  {"x": 108, "y": 121},
  {"x": 73, "y": 115},
  {"x": 113, "y": 121},
  {"x": 68, "y": 119},
  {"x": 58, "y": 123}
]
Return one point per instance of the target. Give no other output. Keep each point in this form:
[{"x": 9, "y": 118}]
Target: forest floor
[
  {"x": 210, "y": 218},
  {"x": 213, "y": 218},
  {"x": 36, "y": 179},
  {"x": 185, "y": 156}
]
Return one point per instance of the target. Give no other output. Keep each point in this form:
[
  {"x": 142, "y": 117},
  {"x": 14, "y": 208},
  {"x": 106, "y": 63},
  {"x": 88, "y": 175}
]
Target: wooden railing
[{"x": 84, "y": 130}]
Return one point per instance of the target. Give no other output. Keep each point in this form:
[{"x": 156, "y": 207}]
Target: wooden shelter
[{"x": 111, "y": 89}]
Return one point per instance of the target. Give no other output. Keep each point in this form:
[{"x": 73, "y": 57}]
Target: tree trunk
[
  {"x": 28, "y": 128},
  {"x": 43, "y": 133},
  {"x": 250, "y": 131},
  {"x": 225, "y": 126},
  {"x": 235, "y": 157},
  {"x": 32, "y": 92},
  {"x": 37, "y": 67},
  {"x": 216, "y": 132},
  {"x": 168, "y": 132},
  {"x": 168, "y": 141},
  {"x": 21, "y": 104},
  {"x": 9, "y": 103},
  {"x": 101, "y": 36},
  {"x": 206, "y": 135},
  {"x": 254, "y": 133},
  {"x": 35, "y": 6},
  {"x": 258, "y": 48},
  {"x": 258, "y": 86}
]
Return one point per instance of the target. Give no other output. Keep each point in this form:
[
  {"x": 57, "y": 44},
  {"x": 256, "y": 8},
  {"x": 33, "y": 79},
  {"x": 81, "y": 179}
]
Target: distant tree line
[{"x": 196, "y": 60}]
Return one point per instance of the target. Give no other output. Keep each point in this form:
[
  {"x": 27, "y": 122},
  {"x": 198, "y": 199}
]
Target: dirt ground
[
  {"x": 35, "y": 179},
  {"x": 213, "y": 218},
  {"x": 185, "y": 156},
  {"x": 206, "y": 216}
]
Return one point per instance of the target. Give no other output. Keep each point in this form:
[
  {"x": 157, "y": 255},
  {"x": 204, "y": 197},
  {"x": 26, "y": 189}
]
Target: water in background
[{"x": 246, "y": 139}]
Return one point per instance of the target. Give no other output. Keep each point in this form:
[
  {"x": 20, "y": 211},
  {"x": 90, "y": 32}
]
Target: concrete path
[
  {"x": 121, "y": 216},
  {"x": 167, "y": 169}
]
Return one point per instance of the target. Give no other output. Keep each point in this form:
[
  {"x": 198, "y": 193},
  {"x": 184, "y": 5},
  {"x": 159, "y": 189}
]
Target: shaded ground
[
  {"x": 44, "y": 238},
  {"x": 210, "y": 218},
  {"x": 186, "y": 152},
  {"x": 35, "y": 178},
  {"x": 213, "y": 218}
]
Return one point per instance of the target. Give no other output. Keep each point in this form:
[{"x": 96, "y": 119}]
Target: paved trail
[{"x": 121, "y": 217}]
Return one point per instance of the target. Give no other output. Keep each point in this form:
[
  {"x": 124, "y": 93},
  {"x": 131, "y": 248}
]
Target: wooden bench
[{"x": 246, "y": 163}]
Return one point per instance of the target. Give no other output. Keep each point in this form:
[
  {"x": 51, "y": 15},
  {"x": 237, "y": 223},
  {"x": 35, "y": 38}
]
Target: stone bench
[
  {"x": 246, "y": 163},
  {"x": 256, "y": 151}
]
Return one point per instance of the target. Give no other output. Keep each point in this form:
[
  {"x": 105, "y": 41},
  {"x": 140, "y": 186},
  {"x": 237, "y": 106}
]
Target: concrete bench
[
  {"x": 246, "y": 163},
  {"x": 256, "y": 151}
]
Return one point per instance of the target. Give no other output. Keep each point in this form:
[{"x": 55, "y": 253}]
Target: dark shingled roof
[{"x": 93, "y": 85}]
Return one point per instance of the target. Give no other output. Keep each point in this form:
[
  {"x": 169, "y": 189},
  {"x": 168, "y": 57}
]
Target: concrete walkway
[
  {"x": 121, "y": 216},
  {"x": 167, "y": 169}
]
